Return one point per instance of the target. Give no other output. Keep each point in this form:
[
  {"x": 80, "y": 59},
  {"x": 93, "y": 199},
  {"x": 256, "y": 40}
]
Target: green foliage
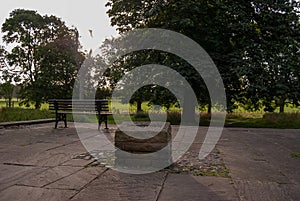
[
  {"x": 271, "y": 72},
  {"x": 6, "y": 90},
  {"x": 59, "y": 64},
  {"x": 153, "y": 94},
  {"x": 255, "y": 44},
  {"x": 44, "y": 54}
]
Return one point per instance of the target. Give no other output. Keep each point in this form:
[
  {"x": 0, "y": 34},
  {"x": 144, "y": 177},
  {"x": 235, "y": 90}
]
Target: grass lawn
[
  {"x": 238, "y": 119},
  {"x": 268, "y": 120},
  {"x": 23, "y": 114}
]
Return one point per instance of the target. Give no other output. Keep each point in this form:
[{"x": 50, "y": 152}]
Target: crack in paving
[
  {"x": 161, "y": 186},
  {"x": 25, "y": 185},
  {"x": 78, "y": 191},
  {"x": 62, "y": 177},
  {"x": 65, "y": 189},
  {"x": 20, "y": 165},
  {"x": 63, "y": 145}
]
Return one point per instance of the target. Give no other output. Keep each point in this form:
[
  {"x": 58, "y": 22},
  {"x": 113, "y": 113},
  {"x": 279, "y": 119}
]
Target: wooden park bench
[{"x": 62, "y": 107}]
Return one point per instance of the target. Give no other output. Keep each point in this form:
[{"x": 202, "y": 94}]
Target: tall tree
[
  {"x": 6, "y": 88},
  {"x": 271, "y": 71},
  {"x": 117, "y": 68},
  {"x": 29, "y": 33},
  {"x": 59, "y": 65},
  {"x": 203, "y": 21},
  {"x": 255, "y": 44}
]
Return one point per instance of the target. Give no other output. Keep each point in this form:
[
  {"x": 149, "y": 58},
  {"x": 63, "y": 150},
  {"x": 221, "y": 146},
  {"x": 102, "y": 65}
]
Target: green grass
[
  {"x": 268, "y": 120},
  {"x": 22, "y": 114},
  {"x": 247, "y": 120}
]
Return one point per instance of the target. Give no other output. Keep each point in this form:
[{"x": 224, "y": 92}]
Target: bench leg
[
  {"x": 99, "y": 121},
  {"x": 61, "y": 117},
  {"x": 105, "y": 122},
  {"x": 56, "y": 122},
  {"x": 102, "y": 118},
  {"x": 57, "y": 119},
  {"x": 65, "y": 120}
]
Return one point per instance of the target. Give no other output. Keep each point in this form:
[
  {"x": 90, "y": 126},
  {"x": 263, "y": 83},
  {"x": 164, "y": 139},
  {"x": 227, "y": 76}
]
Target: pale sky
[{"x": 85, "y": 15}]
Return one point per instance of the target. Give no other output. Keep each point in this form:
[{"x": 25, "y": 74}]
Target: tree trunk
[
  {"x": 209, "y": 108},
  {"x": 188, "y": 110},
  {"x": 139, "y": 106},
  {"x": 37, "y": 105},
  {"x": 9, "y": 102},
  {"x": 282, "y": 104}
]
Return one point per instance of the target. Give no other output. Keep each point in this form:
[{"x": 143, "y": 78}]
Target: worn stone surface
[
  {"x": 148, "y": 140},
  {"x": 140, "y": 147},
  {"x": 261, "y": 164},
  {"x": 117, "y": 186},
  {"x": 150, "y": 153},
  {"x": 188, "y": 187},
  {"x": 22, "y": 193},
  {"x": 41, "y": 163},
  {"x": 49, "y": 176},
  {"x": 12, "y": 174},
  {"x": 266, "y": 190},
  {"x": 77, "y": 180}
]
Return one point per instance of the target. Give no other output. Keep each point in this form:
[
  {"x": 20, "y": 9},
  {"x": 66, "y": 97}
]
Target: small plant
[{"x": 295, "y": 155}]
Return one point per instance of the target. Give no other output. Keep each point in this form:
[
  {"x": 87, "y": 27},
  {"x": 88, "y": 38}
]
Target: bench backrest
[{"x": 78, "y": 105}]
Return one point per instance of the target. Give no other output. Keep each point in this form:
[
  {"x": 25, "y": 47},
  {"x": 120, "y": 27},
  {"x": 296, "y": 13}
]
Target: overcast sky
[{"x": 85, "y": 15}]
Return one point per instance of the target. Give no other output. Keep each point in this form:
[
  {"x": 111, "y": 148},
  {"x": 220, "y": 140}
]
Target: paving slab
[
  {"x": 116, "y": 186},
  {"x": 266, "y": 191},
  {"x": 76, "y": 162},
  {"x": 78, "y": 180},
  {"x": 26, "y": 155},
  {"x": 12, "y": 174},
  {"x": 189, "y": 188},
  {"x": 22, "y": 193},
  {"x": 42, "y": 163},
  {"x": 261, "y": 164},
  {"x": 49, "y": 176}
]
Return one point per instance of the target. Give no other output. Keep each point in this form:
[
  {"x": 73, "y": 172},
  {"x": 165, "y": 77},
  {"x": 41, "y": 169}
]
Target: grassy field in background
[
  {"x": 16, "y": 103},
  {"x": 240, "y": 118}
]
